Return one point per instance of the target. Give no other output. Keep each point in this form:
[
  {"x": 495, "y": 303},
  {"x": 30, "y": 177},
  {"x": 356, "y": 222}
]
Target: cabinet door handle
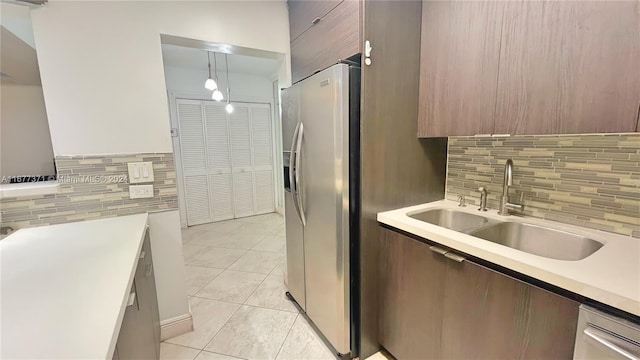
[
  {"x": 315, "y": 21},
  {"x": 447, "y": 253},
  {"x": 132, "y": 299},
  {"x": 142, "y": 254},
  {"x": 455, "y": 257},
  {"x": 438, "y": 250}
]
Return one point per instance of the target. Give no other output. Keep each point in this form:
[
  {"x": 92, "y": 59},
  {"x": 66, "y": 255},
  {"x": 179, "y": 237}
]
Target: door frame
[{"x": 177, "y": 154}]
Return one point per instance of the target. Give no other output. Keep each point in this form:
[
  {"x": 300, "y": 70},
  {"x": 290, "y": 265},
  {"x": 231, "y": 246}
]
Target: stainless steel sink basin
[
  {"x": 549, "y": 243},
  {"x": 450, "y": 219}
]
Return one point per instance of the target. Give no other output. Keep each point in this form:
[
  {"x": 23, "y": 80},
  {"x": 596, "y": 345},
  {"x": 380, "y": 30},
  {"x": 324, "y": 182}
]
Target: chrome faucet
[{"x": 505, "y": 205}]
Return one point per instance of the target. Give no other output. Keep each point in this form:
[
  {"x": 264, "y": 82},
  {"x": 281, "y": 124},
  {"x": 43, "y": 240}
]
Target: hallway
[{"x": 235, "y": 281}]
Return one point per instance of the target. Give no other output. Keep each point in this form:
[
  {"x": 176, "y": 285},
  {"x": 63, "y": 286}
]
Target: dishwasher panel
[{"x": 602, "y": 336}]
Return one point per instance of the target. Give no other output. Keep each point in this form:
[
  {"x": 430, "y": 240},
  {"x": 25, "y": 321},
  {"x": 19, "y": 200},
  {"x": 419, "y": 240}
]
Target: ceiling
[
  {"x": 18, "y": 60},
  {"x": 180, "y": 56}
]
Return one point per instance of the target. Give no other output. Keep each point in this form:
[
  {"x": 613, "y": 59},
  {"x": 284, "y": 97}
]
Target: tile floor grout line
[
  {"x": 195, "y": 357},
  {"x": 254, "y": 290},
  {"x": 213, "y": 352},
  {"x": 225, "y": 301},
  {"x": 245, "y": 271},
  {"x": 222, "y": 327},
  {"x": 207, "y": 284},
  {"x": 200, "y": 233},
  {"x": 229, "y": 268},
  {"x": 278, "y": 263},
  {"x": 204, "y": 266},
  {"x": 224, "y": 247},
  {"x": 168, "y": 341},
  {"x": 203, "y": 297},
  {"x": 286, "y": 337},
  {"x": 213, "y": 247},
  {"x": 249, "y": 305}
]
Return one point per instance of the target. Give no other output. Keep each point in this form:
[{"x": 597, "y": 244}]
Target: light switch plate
[
  {"x": 140, "y": 191},
  {"x": 140, "y": 172}
]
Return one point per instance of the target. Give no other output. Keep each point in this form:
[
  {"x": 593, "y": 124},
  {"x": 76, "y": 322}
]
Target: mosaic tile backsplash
[
  {"x": 585, "y": 180},
  {"x": 93, "y": 187}
]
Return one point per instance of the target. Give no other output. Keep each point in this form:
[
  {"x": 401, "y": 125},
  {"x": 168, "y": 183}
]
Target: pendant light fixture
[
  {"x": 210, "y": 84},
  {"x": 217, "y": 94},
  {"x": 229, "y": 107}
]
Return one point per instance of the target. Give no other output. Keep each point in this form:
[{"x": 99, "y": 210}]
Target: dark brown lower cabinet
[
  {"x": 411, "y": 299},
  {"x": 433, "y": 307},
  {"x": 139, "y": 336}
]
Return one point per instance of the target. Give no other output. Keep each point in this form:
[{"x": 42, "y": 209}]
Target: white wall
[
  {"x": 103, "y": 77},
  {"x": 101, "y": 64},
  {"x": 168, "y": 263},
  {"x": 244, "y": 87},
  {"x": 25, "y": 142},
  {"x": 17, "y": 19}
]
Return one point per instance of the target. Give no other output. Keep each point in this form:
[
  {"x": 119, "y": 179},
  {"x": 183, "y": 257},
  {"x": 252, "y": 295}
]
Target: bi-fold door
[{"x": 227, "y": 160}]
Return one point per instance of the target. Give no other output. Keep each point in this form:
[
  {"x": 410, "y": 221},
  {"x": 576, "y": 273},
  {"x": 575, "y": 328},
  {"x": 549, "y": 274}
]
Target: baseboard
[{"x": 175, "y": 326}]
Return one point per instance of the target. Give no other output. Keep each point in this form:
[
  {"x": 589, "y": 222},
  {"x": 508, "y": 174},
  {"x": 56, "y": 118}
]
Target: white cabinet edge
[{"x": 29, "y": 189}]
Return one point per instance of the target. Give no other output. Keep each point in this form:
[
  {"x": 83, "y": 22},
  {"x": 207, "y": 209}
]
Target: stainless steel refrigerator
[{"x": 320, "y": 131}]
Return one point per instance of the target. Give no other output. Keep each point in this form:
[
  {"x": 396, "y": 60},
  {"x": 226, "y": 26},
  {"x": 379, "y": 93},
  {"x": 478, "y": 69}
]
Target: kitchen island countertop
[{"x": 64, "y": 288}]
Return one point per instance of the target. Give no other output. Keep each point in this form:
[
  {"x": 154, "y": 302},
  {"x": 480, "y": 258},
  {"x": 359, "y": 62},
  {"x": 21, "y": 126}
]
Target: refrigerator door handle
[
  {"x": 292, "y": 169},
  {"x": 297, "y": 175}
]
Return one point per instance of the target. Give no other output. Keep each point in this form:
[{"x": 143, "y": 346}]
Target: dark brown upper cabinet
[
  {"x": 569, "y": 67},
  {"x": 330, "y": 38},
  {"x": 459, "y": 61},
  {"x": 304, "y": 14},
  {"x": 529, "y": 67}
]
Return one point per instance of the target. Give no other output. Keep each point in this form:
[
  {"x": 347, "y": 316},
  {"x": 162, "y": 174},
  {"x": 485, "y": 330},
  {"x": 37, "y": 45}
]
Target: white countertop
[
  {"x": 611, "y": 275},
  {"x": 64, "y": 287},
  {"x": 29, "y": 189}
]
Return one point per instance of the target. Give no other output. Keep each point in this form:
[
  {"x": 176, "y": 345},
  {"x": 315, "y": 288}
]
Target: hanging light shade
[
  {"x": 217, "y": 94},
  {"x": 229, "y": 107},
  {"x": 210, "y": 84}
]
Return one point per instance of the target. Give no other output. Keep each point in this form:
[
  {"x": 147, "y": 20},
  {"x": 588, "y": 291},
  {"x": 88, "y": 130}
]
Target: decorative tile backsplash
[
  {"x": 586, "y": 180},
  {"x": 93, "y": 187}
]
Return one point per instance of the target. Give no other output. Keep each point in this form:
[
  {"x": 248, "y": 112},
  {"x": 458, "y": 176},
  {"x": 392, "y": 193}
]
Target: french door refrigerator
[{"x": 320, "y": 131}]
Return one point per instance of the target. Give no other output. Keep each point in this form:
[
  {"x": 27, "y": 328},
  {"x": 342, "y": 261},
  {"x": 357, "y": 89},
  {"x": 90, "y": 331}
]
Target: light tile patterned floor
[{"x": 235, "y": 279}]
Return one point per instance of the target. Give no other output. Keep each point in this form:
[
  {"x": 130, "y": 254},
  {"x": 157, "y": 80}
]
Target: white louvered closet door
[
  {"x": 194, "y": 167},
  {"x": 262, "y": 153},
  {"x": 219, "y": 160},
  {"x": 242, "y": 169}
]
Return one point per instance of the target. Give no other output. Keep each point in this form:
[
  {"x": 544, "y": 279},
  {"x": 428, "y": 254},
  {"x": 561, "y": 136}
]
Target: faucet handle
[
  {"x": 461, "y": 201},
  {"x": 516, "y": 207},
  {"x": 483, "y": 199}
]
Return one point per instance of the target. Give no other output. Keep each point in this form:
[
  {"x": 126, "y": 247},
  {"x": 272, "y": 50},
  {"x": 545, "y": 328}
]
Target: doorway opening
[
  {"x": 231, "y": 194},
  {"x": 227, "y": 149}
]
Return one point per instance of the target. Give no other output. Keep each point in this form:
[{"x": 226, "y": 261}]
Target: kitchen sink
[
  {"x": 537, "y": 240},
  {"x": 450, "y": 219}
]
